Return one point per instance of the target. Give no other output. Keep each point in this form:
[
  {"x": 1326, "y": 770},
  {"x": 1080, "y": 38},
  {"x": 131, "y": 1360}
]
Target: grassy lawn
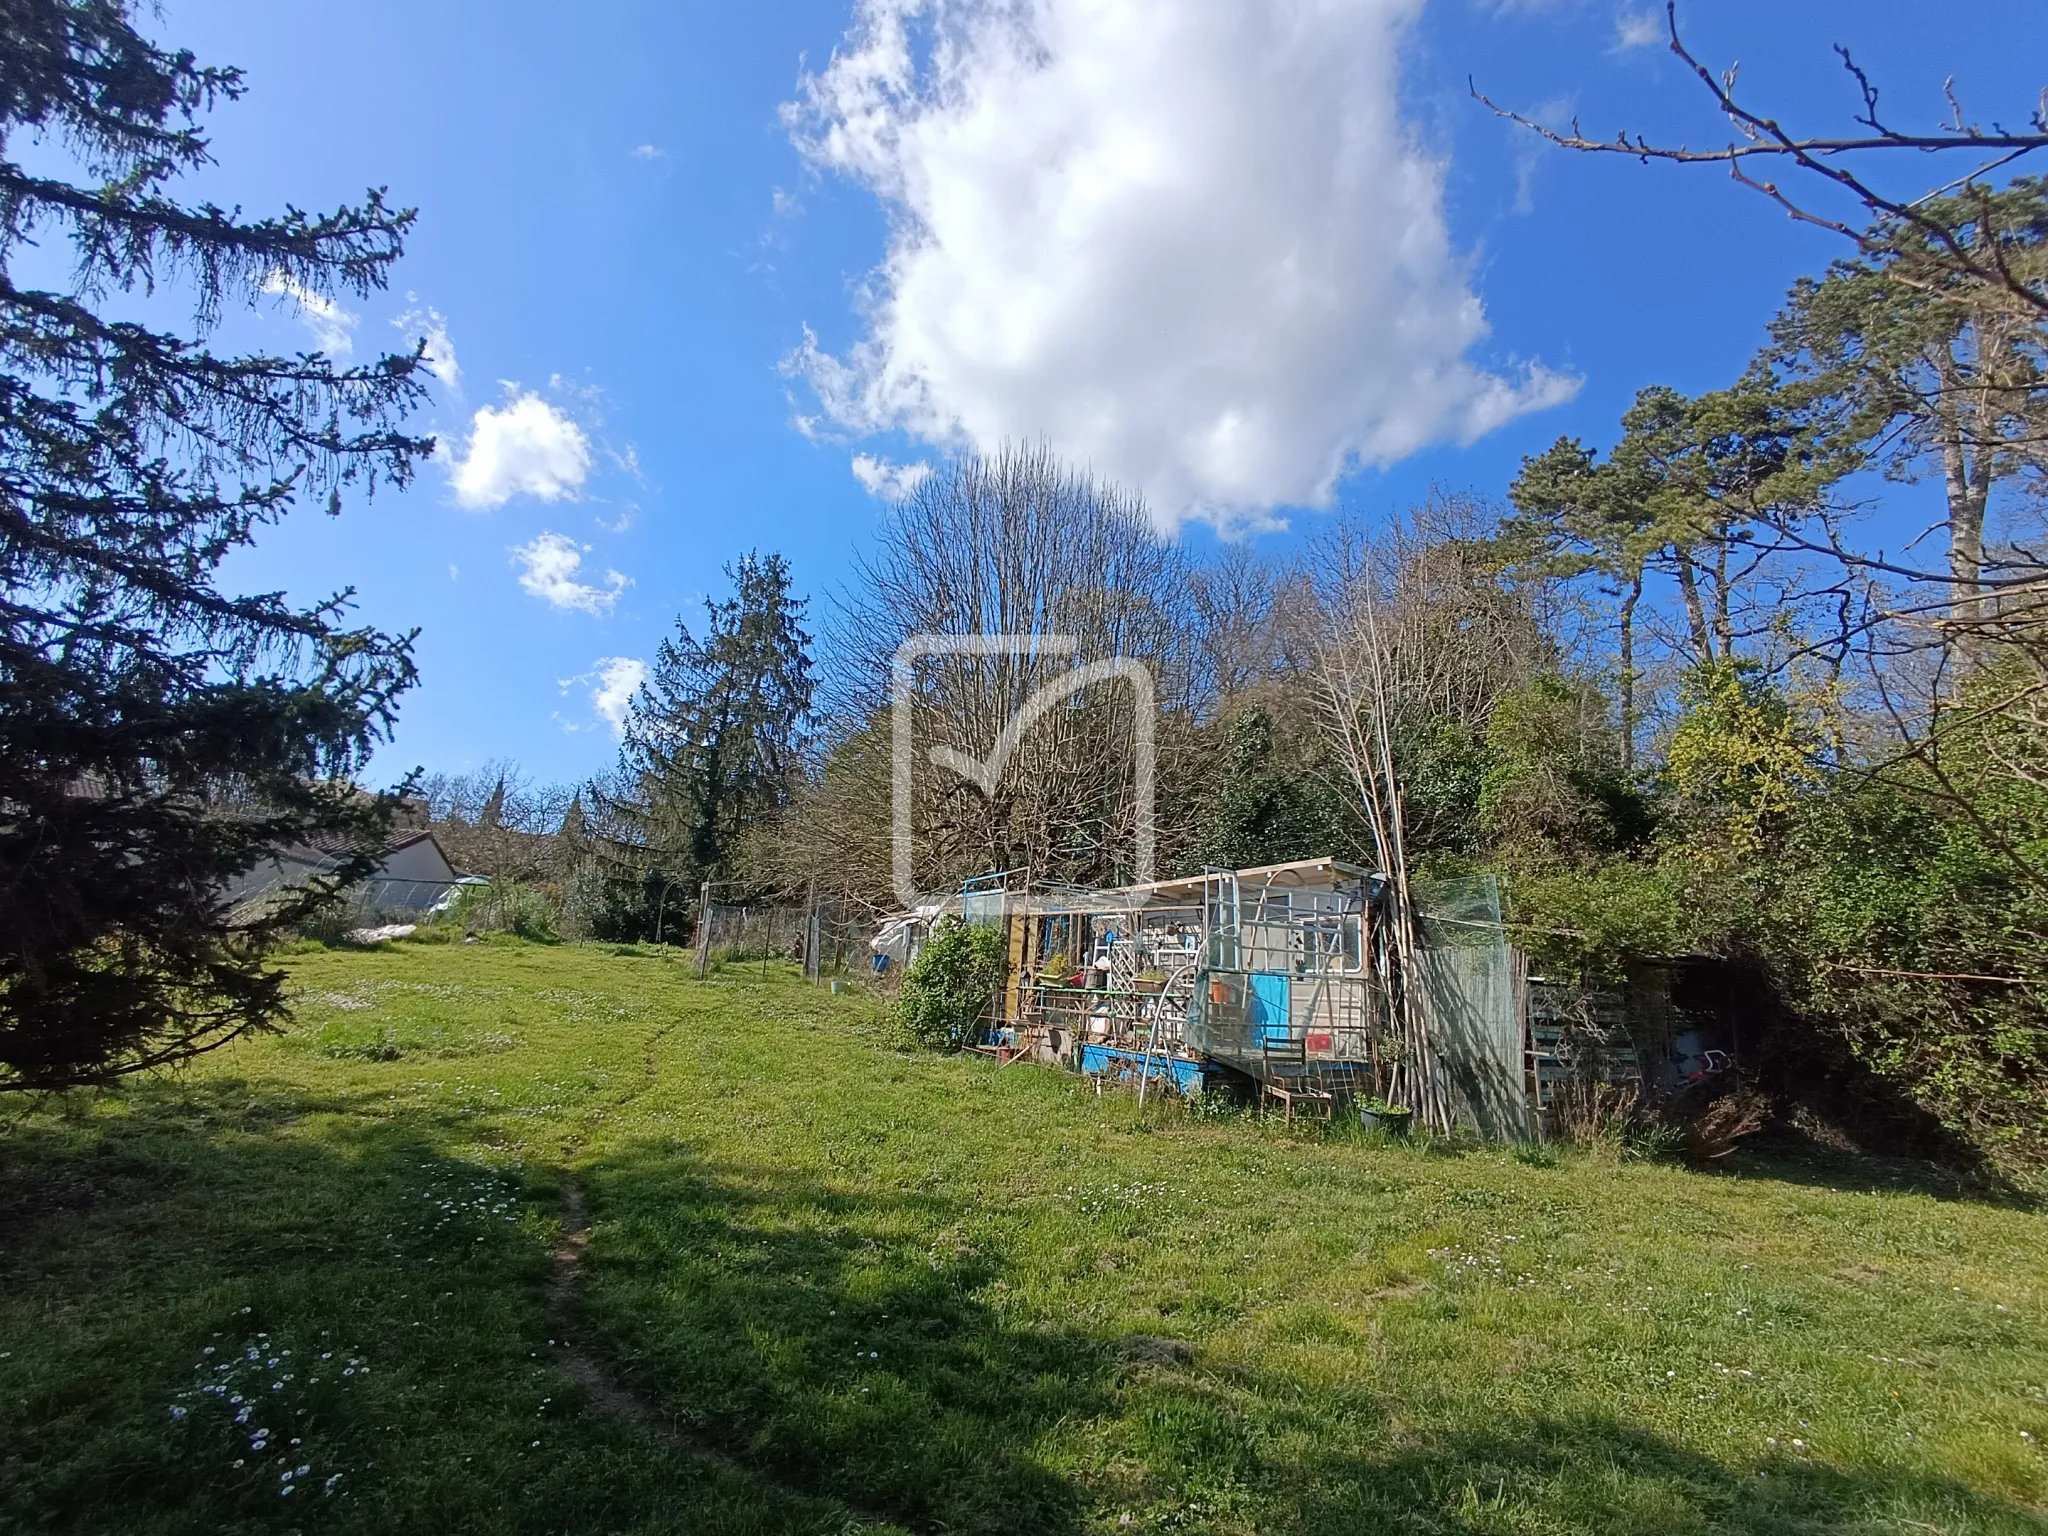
[{"x": 312, "y": 1284}]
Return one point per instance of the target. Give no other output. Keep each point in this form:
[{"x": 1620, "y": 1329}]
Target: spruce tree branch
[{"x": 119, "y": 235}]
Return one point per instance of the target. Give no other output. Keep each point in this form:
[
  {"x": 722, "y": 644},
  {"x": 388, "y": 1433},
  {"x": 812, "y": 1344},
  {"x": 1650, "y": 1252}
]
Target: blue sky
[{"x": 626, "y": 240}]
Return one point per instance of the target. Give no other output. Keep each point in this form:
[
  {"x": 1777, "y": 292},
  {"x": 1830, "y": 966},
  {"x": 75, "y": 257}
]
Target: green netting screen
[{"x": 1474, "y": 1005}]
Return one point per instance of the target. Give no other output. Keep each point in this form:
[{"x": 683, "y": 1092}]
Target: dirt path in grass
[
  {"x": 577, "y": 1360},
  {"x": 585, "y": 1366}
]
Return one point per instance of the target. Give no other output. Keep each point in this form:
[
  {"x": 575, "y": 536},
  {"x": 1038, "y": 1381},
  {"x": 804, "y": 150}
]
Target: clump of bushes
[
  {"x": 331, "y": 923},
  {"x": 507, "y": 906},
  {"x": 949, "y": 986},
  {"x": 1701, "y": 1127},
  {"x": 1613, "y": 1118}
]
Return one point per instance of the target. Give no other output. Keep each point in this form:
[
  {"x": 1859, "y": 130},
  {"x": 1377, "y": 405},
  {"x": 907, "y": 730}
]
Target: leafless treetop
[{"x": 1764, "y": 139}]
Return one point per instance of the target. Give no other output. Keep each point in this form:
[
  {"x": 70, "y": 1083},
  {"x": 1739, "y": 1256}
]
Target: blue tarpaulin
[
  {"x": 1270, "y": 1020},
  {"x": 1113, "y": 1061}
]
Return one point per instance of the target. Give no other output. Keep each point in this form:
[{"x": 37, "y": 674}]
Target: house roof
[{"x": 324, "y": 847}]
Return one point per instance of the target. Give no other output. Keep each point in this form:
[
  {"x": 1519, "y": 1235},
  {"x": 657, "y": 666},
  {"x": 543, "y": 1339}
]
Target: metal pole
[
  {"x": 1145, "y": 1066},
  {"x": 704, "y": 930},
  {"x": 813, "y": 962}
]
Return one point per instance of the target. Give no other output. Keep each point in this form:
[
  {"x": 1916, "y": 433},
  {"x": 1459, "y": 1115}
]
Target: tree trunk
[
  {"x": 1724, "y": 623},
  {"x": 1966, "y": 473},
  {"x": 1695, "y": 612},
  {"x": 1628, "y": 670}
]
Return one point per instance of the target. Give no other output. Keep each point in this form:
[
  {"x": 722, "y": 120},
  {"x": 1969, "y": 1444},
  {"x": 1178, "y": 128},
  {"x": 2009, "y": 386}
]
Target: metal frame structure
[
  {"x": 1179, "y": 980},
  {"x": 1296, "y": 952},
  {"x": 1287, "y": 976}
]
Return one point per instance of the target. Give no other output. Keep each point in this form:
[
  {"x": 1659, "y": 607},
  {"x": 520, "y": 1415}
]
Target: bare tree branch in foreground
[{"x": 1766, "y": 139}]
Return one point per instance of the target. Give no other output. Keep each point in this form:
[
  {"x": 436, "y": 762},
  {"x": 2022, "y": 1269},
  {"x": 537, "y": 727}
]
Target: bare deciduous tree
[
  {"x": 1419, "y": 632},
  {"x": 1010, "y": 544},
  {"x": 1933, "y": 342},
  {"x": 1836, "y": 163},
  {"x": 496, "y": 820}
]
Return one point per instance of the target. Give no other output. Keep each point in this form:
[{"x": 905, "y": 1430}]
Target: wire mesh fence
[{"x": 824, "y": 938}]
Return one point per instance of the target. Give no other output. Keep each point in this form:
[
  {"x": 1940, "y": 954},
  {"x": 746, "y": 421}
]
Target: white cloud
[
  {"x": 524, "y": 448},
  {"x": 552, "y": 563},
  {"x": 626, "y": 461},
  {"x": 616, "y": 680},
  {"x": 439, "y": 360},
  {"x": 331, "y": 325},
  {"x": 1192, "y": 246},
  {"x": 1644, "y": 29},
  {"x": 891, "y": 482},
  {"x": 454, "y": 574},
  {"x": 648, "y": 152},
  {"x": 612, "y": 682}
]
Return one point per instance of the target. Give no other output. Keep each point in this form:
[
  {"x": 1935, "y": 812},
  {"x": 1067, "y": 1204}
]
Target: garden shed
[{"x": 1284, "y": 977}]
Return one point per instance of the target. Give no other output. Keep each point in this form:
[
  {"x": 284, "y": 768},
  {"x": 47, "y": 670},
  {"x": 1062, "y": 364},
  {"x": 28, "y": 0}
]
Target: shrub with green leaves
[
  {"x": 950, "y": 985},
  {"x": 508, "y": 906}
]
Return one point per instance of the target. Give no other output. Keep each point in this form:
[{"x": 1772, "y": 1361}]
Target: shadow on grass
[
  {"x": 1597, "y": 1475},
  {"x": 144, "y": 1250},
  {"x": 844, "y": 1344},
  {"x": 856, "y": 1346},
  {"x": 1787, "y": 1153},
  {"x": 842, "y": 1349}
]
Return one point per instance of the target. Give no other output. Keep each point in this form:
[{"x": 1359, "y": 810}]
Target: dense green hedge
[{"x": 950, "y": 985}]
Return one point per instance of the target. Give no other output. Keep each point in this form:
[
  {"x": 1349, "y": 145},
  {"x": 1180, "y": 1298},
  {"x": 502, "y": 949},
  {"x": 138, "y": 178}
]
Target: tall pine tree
[
  {"x": 715, "y": 739},
  {"x": 158, "y": 735}
]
